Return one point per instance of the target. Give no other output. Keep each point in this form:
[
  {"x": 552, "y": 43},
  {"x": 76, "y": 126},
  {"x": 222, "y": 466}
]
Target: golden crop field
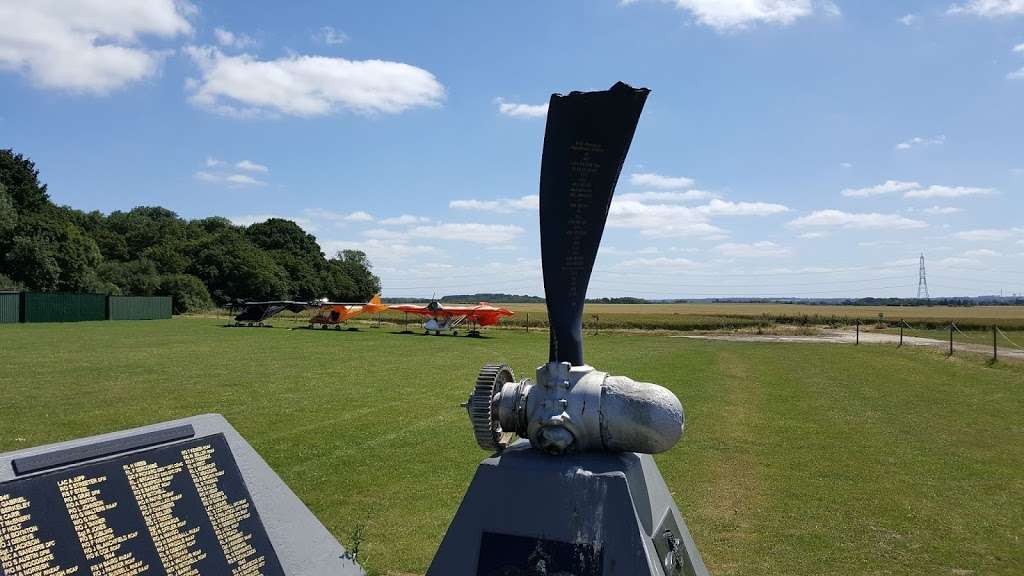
[{"x": 719, "y": 316}]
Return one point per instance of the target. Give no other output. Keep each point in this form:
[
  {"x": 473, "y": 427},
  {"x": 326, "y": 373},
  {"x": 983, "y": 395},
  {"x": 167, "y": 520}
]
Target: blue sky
[{"x": 789, "y": 147}]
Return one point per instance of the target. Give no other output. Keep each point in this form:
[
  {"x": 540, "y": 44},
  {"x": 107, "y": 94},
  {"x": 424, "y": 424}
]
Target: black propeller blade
[{"x": 585, "y": 144}]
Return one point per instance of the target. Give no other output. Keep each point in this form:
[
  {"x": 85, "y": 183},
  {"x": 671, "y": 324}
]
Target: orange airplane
[
  {"x": 337, "y": 313},
  {"x": 441, "y": 317}
]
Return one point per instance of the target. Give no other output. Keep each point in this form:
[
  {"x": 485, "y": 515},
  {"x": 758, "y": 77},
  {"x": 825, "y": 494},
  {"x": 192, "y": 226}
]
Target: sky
[{"x": 804, "y": 148}]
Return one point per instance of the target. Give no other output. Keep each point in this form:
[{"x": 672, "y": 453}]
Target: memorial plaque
[
  {"x": 177, "y": 510},
  {"x": 183, "y": 498}
]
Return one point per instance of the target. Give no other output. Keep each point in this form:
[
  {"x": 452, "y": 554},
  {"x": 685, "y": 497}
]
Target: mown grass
[{"x": 798, "y": 458}]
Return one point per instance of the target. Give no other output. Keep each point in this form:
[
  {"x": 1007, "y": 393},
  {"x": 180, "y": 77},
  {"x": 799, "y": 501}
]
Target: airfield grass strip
[{"x": 802, "y": 459}]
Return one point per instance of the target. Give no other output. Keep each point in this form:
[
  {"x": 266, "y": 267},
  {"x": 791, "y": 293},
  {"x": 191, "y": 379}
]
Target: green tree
[
  {"x": 31, "y": 262},
  {"x": 188, "y": 293},
  {"x": 134, "y": 278},
  {"x": 231, "y": 267},
  {"x": 354, "y": 265},
  {"x": 21, "y": 179}
]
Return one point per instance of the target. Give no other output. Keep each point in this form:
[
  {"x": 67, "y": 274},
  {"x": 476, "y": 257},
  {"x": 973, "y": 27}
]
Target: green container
[
  {"x": 140, "y": 307},
  {"x": 10, "y": 307},
  {"x": 62, "y": 307}
]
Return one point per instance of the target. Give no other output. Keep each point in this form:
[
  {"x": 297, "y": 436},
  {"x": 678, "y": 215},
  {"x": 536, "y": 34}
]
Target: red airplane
[{"x": 441, "y": 317}]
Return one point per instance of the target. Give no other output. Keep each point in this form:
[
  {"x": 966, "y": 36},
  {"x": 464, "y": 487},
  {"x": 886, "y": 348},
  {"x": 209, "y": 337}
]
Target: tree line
[{"x": 150, "y": 250}]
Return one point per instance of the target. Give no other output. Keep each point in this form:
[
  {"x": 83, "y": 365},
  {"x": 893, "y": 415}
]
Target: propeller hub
[{"x": 580, "y": 409}]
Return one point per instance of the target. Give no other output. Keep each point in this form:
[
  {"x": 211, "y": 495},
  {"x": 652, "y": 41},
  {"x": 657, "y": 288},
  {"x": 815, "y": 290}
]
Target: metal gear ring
[{"x": 482, "y": 413}]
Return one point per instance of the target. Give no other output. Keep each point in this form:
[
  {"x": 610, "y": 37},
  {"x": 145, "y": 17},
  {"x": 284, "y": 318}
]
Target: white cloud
[
  {"x": 475, "y": 233},
  {"x": 501, "y": 205},
  {"x": 846, "y": 165},
  {"x": 725, "y": 208},
  {"x": 890, "y": 186},
  {"x": 1016, "y": 75},
  {"x": 840, "y": 219},
  {"x": 666, "y": 197},
  {"x": 243, "y": 180},
  {"x": 87, "y": 45},
  {"x": 948, "y": 192},
  {"x": 662, "y": 220},
  {"x": 989, "y": 8},
  {"x": 384, "y": 251},
  {"x": 385, "y": 234},
  {"x": 250, "y": 166},
  {"x": 907, "y": 20},
  {"x": 330, "y": 36},
  {"x": 340, "y": 218},
  {"x": 813, "y": 235},
  {"x": 250, "y": 219},
  {"x": 652, "y": 180},
  {"x": 516, "y": 110},
  {"x": 404, "y": 220},
  {"x": 229, "y": 179},
  {"x": 613, "y": 251},
  {"x": 661, "y": 263},
  {"x": 985, "y": 235},
  {"x": 919, "y": 141},
  {"x": 1019, "y": 48},
  {"x": 763, "y": 249},
  {"x": 733, "y": 15},
  {"x": 231, "y": 40},
  {"x": 307, "y": 85},
  {"x": 212, "y": 162},
  {"x": 980, "y": 253},
  {"x": 941, "y": 210},
  {"x": 959, "y": 262}
]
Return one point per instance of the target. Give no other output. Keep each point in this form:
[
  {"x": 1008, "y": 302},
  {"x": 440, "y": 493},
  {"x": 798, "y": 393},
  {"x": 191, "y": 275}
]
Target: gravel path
[{"x": 850, "y": 337}]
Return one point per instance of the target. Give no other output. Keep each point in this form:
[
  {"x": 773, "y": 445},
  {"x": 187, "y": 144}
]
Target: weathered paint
[{"x": 140, "y": 307}]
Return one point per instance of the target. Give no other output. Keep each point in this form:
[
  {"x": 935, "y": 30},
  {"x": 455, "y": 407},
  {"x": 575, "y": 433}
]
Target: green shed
[
  {"x": 62, "y": 307},
  {"x": 140, "y": 307},
  {"x": 10, "y": 307}
]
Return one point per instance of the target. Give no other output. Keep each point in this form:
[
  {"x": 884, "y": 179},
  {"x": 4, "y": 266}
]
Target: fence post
[
  {"x": 527, "y": 322},
  {"x": 901, "y": 333},
  {"x": 857, "y": 342},
  {"x": 951, "y": 338},
  {"x": 995, "y": 347}
]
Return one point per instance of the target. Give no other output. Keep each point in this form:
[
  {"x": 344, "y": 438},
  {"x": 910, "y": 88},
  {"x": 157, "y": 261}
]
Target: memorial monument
[
  {"x": 579, "y": 494},
  {"x": 183, "y": 498}
]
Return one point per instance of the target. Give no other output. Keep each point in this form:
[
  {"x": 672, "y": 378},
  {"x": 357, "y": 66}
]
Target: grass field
[{"x": 799, "y": 459}]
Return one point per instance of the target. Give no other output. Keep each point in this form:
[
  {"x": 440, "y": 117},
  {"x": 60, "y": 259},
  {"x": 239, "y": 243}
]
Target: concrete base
[{"x": 530, "y": 514}]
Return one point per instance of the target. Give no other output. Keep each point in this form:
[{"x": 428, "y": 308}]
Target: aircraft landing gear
[{"x": 455, "y": 332}]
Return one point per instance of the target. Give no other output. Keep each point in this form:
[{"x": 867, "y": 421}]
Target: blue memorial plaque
[{"x": 181, "y": 509}]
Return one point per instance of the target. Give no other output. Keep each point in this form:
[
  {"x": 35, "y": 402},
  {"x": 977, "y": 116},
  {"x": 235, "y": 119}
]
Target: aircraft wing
[
  {"x": 259, "y": 311},
  {"x": 414, "y": 309},
  {"x": 483, "y": 313}
]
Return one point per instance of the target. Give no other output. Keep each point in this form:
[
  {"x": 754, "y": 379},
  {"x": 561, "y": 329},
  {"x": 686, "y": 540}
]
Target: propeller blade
[{"x": 585, "y": 144}]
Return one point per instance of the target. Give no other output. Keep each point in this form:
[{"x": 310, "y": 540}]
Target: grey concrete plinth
[{"x": 591, "y": 514}]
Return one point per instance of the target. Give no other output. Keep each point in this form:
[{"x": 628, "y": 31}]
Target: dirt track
[{"x": 850, "y": 337}]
